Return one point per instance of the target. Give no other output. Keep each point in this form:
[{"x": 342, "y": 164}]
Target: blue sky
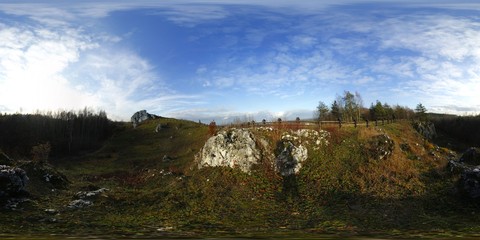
[{"x": 217, "y": 59}]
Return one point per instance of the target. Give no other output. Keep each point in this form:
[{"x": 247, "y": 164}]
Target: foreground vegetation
[{"x": 156, "y": 189}]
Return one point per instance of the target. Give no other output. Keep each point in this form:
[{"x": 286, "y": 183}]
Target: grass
[{"x": 338, "y": 191}]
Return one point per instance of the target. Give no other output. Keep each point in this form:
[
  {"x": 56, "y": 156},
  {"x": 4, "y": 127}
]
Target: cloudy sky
[{"x": 217, "y": 59}]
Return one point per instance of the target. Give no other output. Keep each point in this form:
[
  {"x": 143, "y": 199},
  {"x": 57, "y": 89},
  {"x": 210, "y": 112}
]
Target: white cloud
[
  {"x": 31, "y": 65},
  {"x": 65, "y": 68}
]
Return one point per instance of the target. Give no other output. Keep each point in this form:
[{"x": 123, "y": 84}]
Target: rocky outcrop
[
  {"x": 45, "y": 176},
  {"x": 291, "y": 150},
  {"x": 379, "y": 147},
  {"x": 235, "y": 148},
  {"x": 290, "y": 157},
  {"x": 12, "y": 181},
  {"x": 141, "y": 116},
  {"x": 469, "y": 183},
  {"x": 468, "y": 165},
  {"x": 426, "y": 129},
  {"x": 469, "y": 160},
  {"x": 239, "y": 148},
  {"x": 471, "y": 156},
  {"x": 86, "y": 198}
]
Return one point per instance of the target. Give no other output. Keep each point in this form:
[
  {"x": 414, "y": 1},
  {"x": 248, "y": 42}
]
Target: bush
[{"x": 41, "y": 152}]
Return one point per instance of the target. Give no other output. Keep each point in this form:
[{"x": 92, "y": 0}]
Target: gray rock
[
  {"x": 471, "y": 156},
  {"x": 166, "y": 158},
  {"x": 458, "y": 167},
  {"x": 79, "y": 203},
  {"x": 45, "y": 174},
  {"x": 13, "y": 203},
  {"x": 235, "y": 148},
  {"x": 90, "y": 194},
  {"x": 292, "y": 150},
  {"x": 158, "y": 128},
  {"x": 469, "y": 183},
  {"x": 141, "y": 116},
  {"x": 290, "y": 157},
  {"x": 51, "y": 211},
  {"x": 12, "y": 181},
  {"x": 426, "y": 129},
  {"x": 380, "y": 147}
]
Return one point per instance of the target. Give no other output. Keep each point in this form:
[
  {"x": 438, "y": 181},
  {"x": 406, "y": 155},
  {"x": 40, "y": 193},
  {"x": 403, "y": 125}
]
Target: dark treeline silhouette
[
  {"x": 464, "y": 128},
  {"x": 67, "y": 132},
  {"x": 349, "y": 108}
]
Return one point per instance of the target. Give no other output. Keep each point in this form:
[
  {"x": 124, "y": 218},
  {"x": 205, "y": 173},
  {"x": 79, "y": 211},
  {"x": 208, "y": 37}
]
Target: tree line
[
  {"x": 67, "y": 132},
  {"x": 349, "y": 108},
  {"x": 464, "y": 128}
]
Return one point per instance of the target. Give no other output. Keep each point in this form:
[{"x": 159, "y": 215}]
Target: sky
[{"x": 223, "y": 60}]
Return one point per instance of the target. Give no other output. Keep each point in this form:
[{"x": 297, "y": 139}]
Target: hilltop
[{"x": 380, "y": 180}]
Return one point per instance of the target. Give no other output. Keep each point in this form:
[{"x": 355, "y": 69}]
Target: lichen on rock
[
  {"x": 426, "y": 129},
  {"x": 141, "y": 116},
  {"x": 12, "y": 180},
  {"x": 231, "y": 148}
]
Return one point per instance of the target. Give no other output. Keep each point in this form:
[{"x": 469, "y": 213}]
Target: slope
[{"x": 155, "y": 189}]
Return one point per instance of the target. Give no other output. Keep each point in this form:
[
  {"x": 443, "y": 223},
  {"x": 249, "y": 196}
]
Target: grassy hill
[{"x": 155, "y": 189}]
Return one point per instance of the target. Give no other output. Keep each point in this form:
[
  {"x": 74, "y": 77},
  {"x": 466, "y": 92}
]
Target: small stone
[
  {"x": 51, "y": 211},
  {"x": 79, "y": 203}
]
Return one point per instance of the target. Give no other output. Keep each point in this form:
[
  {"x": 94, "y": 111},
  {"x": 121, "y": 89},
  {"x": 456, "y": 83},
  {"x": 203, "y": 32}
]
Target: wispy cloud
[
  {"x": 285, "y": 50},
  {"x": 82, "y": 71}
]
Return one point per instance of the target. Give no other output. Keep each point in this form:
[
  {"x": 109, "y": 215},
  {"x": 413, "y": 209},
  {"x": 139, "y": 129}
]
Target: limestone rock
[
  {"x": 85, "y": 198},
  {"x": 471, "y": 156},
  {"x": 79, "y": 203},
  {"x": 469, "y": 183},
  {"x": 239, "y": 148},
  {"x": 232, "y": 148},
  {"x": 12, "y": 181},
  {"x": 45, "y": 176},
  {"x": 380, "y": 147},
  {"x": 141, "y": 116},
  {"x": 290, "y": 157},
  {"x": 426, "y": 129},
  {"x": 291, "y": 150},
  {"x": 90, "y": 195}
]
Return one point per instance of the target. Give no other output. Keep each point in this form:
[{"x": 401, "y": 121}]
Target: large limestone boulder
[
  {"x": 44, "y": 177},
  {"x": 290, "y": 157},
  {"x": 12, "y": 181},
  {"x": 469, "y": 183},
  {"x": 239, "y": 148},
  {"x": 141, "y": 116},
  {"x": 468, "y": 165},
  {"x": 469, "y": 160},
  {"x": 471, "y": 156},
  {"x": 231, "y": 148},
  {"x": 292, "y": 150}
]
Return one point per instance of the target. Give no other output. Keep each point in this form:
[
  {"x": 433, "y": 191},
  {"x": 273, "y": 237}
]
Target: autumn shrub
[
  {"x": 212, "y": 128},
  {"x": 41, "y": 152}
]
